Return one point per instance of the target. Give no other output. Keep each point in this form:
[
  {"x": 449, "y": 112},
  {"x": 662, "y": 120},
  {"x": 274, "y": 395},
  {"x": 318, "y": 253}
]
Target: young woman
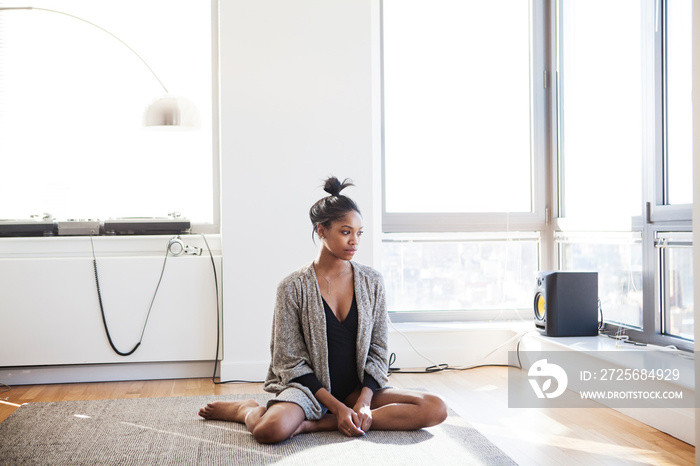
[{"x": 329, "y": 357}]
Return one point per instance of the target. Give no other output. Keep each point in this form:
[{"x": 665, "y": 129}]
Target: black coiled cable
[
  {"x": 104, "y": 319},
  {"x": 102, "y": 309}
]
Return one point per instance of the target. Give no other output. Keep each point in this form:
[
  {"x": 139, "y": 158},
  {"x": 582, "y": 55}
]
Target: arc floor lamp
[{"x": 166, "y": 111}]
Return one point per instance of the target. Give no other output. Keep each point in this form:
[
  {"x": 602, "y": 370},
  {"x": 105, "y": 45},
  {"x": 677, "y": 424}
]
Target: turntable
[
  {"x": 147, "y": 226},
  {"x": 78, "y": 227},
  {"x": 34, "y": 226},
  {"x": 48, "y": 226}
]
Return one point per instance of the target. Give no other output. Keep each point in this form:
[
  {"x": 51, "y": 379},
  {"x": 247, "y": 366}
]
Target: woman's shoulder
[
  {"x": 299, "y": 275},
  {"x": 367, "y": 271}
]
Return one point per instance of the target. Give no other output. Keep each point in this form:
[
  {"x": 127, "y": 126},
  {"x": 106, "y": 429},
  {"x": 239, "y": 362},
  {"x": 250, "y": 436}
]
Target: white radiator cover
[{"x": 50, "y": 314}]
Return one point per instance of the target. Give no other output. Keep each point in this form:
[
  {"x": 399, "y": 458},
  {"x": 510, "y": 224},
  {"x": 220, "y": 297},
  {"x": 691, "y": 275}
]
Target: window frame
[
  {"x": 215, "y": 226},
  {"x": 547, "y": 216},
  {"x": 657, "y": 216},
  {"x": 394, "y": 222},
  {"x": 542, "y": 108},
  {"x": 214, "y": 213},
  {"x": 683, "y": 239},
  {"x": 653, "y": 298},
  {"x": 658, "y": 208}
]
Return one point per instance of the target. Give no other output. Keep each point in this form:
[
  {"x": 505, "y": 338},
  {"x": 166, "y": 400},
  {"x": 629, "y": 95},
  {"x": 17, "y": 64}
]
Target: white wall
[
  {"x": 696, "y": 201},
  {"x": 297, "y": 88}
]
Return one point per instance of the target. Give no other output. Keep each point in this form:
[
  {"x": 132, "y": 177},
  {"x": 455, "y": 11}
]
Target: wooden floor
[{"x": 559, "y": 436}]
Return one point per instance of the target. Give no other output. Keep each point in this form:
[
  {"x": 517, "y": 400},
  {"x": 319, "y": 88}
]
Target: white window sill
[{"x": 605, "y": 347}]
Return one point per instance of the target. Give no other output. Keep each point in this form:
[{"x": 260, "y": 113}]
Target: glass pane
[
  {"x": 457, "y": 106},
  {"x": 678, "y": 295},
  {"x": 618, "y": 261},
  {"x": 444, "y": 274},
  {"x": 72, "y": 99},
  {"x": 679, "y": 102},
  {"x": 602, "y": 96}
]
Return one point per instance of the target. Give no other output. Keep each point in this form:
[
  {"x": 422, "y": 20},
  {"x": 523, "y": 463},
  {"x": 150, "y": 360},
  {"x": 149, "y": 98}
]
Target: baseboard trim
[
  {"x": 32, "y": 375},
  {"x": 244, "y": 371}
]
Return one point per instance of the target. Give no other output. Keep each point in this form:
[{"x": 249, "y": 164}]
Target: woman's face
[{"x": 342, "y": 238}]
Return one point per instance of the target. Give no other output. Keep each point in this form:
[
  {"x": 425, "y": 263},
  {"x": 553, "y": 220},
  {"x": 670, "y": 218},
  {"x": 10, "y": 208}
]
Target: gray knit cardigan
[{"x": 299, "y": 341}]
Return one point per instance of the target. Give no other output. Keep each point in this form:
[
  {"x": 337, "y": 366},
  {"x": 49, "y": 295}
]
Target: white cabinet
[{"x": 50, "y": 314}]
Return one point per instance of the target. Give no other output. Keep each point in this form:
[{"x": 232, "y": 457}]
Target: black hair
[{"x": 330, "y": 208}]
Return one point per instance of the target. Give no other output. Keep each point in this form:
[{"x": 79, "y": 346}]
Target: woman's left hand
[{"x": 364, "y": 413}]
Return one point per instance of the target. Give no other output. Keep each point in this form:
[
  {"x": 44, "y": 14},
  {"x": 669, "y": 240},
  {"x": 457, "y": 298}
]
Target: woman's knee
[
  {"x": 434, "y": 409},
  {"x": 278, "y": 423},
  {"x": 270, "y": 432}
]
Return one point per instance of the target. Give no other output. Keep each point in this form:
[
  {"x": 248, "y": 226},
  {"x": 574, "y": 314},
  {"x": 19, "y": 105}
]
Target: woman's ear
[{"x": 321, "y": 231}]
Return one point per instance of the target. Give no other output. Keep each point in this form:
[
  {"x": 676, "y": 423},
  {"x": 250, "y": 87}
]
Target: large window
[
  {"x": 72, "y": 99},
  {"x": 461, "y": 154},
  {"x": 678, "y": 87},
  {"x": 602, "y": 95},
  {"x": 600, "y": 179},
  {"x": 624, "y": 160},
  {"x": 447, "y": 108}
]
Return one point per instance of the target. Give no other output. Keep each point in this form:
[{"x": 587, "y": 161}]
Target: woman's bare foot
[{"x": 235, "y": 411}]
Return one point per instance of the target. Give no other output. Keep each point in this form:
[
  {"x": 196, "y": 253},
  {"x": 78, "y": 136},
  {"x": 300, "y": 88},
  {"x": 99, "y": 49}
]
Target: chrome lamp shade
[
  {"x": 166, "y": 112},
  {"x": 171, "y": 111}
]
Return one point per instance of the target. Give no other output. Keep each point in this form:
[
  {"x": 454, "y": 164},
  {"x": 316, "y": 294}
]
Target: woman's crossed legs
[{"x": 392, "y": 409}]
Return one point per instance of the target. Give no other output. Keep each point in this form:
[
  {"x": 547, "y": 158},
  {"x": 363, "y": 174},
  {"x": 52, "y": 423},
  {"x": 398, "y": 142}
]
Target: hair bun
[
  {"x": 333, "y": 186},
  {"x": 331, "y": 208}
]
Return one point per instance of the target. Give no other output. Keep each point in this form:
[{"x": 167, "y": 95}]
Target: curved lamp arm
[{"x": 166, "y": 111}]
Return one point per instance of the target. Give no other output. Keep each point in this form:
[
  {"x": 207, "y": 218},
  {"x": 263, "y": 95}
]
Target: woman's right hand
[
  {"x": 347, "y": 419},
  {"x": 348, "y": 422}
]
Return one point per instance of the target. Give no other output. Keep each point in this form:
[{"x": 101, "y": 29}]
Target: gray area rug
[{"x": 160, "y": 431}]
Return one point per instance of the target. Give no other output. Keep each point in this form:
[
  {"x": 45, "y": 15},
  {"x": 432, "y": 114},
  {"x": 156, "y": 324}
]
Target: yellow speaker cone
[{"x": 539, "y": 307}]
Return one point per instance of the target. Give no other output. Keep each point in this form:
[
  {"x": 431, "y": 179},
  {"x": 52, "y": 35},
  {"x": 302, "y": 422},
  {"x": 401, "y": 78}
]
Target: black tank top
[{"x": 342, "y": 351}]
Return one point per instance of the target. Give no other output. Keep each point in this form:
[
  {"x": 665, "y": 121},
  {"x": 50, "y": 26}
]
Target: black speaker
[{"x": 566, "y": 304}]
